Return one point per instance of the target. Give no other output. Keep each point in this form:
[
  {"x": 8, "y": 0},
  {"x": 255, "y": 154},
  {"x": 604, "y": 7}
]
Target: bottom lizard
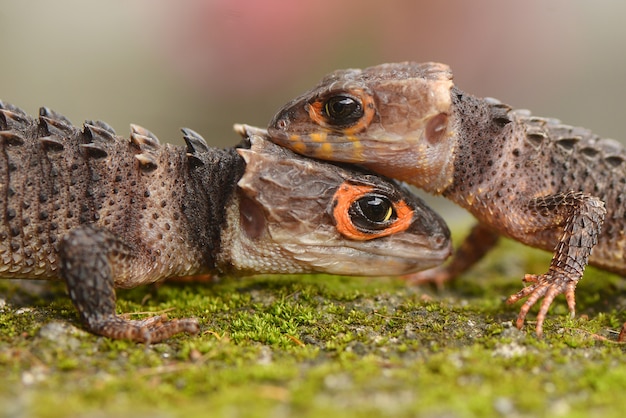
[{"x": 99, "y": 212}]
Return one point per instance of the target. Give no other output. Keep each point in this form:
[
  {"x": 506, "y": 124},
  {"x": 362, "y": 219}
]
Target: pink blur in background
[{"x": 209, "y": 64}]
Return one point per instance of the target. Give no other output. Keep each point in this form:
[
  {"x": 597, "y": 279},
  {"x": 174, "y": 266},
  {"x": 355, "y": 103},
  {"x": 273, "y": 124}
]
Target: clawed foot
[
  {"x": 437, "y": 276},
  {"x": 151, "y": 330},
  {"x": 547, "y": 286}
]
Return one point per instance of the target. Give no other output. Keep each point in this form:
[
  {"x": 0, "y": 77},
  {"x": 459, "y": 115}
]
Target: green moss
[{"x": 312, "y": 345}]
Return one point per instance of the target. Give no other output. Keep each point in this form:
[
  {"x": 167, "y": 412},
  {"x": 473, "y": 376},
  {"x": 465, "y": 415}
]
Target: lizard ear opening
[
  {"x": 436, "y": 128},
  {"x": 251, "y": 217}
]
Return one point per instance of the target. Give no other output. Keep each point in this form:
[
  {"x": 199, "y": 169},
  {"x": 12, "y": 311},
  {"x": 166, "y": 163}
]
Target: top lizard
[{"x": 533, "y": 179}]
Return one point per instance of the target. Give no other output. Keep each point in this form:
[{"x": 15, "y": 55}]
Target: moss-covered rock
[{"x": 310, "y": 346}]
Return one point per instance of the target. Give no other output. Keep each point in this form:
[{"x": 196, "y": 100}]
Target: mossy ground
[{"x": 311, "y": 346}]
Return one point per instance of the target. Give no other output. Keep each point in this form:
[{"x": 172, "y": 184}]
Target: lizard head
[
  {"x": 391, "y": 118},
  {"x": 296, "y": 214}
]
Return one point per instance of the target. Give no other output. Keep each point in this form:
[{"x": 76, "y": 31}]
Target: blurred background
[{"x": 208, "y": 64}]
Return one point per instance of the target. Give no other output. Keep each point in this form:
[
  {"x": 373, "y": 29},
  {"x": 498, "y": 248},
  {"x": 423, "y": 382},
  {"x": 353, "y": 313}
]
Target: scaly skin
[
  {"x": 547, "y": 185},
  {"x": 99, "y": 211}
]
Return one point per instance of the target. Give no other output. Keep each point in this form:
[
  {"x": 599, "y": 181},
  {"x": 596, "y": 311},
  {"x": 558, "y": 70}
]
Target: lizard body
[
  {"x": 98, "y": 211},
  {"x": 548, "y": 185}
]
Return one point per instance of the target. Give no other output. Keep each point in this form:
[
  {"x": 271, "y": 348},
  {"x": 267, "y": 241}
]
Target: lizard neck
[
  {"x": 480, "y": 128},
  {"x": 209, "y": 191}
]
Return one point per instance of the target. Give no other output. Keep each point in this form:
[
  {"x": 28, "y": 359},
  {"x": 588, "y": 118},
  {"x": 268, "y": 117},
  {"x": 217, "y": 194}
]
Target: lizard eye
[
  {"x": 342, "y": 110},
  {"x": 372, "y": 212},
  {"x": 362, "y": 213},
  {"x": 347, "y": 113}
]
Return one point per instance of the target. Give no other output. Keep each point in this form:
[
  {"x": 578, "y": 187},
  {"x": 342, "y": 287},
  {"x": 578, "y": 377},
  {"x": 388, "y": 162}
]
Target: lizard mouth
[
  {"x": 366, "y": 261},
  {"x": 421, "y": 158},
  {"x": 336, "y": 146}
]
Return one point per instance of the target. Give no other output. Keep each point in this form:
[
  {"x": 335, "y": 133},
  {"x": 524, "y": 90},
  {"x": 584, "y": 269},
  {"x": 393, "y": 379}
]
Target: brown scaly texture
[
  {"x": 99, "y": 211},
  {"x": 548, "y": 185},
  {"x": 538, "y": 181}
]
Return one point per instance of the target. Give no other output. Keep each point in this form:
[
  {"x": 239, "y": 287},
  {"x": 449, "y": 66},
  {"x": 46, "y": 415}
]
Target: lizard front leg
[
  {"x": 581, "y": 217},
  {"x": 480, "y": 240},
  {"x": 86, "y": 256}
]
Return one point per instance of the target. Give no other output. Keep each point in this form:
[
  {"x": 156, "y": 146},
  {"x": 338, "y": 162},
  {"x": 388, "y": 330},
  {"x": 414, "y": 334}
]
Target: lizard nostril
[
  {"x": 282, "y": 124},
  {"x": 439, "y": 241}
]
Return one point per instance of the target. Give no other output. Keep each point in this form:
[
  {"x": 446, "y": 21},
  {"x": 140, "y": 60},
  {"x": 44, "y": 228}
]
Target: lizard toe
[
  {"x": 534, "y": 288},
  {"x": 570, "y": 297},
  {"x": 533, "y": 292},
  {"x": 531, "y": 278}
]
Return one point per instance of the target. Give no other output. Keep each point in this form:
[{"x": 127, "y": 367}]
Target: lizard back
[
  {"x": 55, "y": 177},
  {"x": 516, "y": 156}
]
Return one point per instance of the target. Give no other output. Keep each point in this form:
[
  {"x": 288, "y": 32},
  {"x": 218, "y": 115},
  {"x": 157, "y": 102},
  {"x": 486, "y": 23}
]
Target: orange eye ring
[
  {"x": 358, "y": 111},
  {"x": 400, "y": 215}
]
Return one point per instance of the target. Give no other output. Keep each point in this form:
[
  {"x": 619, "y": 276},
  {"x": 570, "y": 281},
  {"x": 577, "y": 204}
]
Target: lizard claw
[{"x": 544, "y": 286}]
